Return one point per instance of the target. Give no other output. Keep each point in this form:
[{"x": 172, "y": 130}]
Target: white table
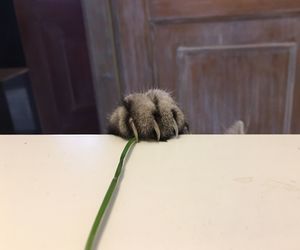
[{"x": 195, "y": 192}]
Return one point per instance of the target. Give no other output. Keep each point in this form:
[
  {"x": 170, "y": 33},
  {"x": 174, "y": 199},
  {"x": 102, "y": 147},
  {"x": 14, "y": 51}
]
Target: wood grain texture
[
  {"x": 101, "y": 44},
  {"x": 232, "y": 34},
  {"x": 227, "y": 84},
  {"x": 170, "y": 10},
  {"x": 133, "y": 42}
]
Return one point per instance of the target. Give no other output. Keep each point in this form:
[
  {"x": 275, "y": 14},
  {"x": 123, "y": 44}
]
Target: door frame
[{"x": 100, "y": 34}]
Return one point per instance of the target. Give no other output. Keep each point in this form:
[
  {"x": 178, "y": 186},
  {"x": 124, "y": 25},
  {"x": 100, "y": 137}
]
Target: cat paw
[{"x": 146, "y": 116}]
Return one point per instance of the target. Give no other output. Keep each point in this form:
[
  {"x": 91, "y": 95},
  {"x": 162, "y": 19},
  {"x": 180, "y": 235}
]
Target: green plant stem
[{"x": 107, "y": 197}]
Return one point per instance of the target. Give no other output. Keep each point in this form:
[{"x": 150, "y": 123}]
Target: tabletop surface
[{"x": 194, "y": 192}]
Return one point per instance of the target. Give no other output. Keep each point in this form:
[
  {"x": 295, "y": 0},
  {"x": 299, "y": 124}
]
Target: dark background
[
  {"x": 11, "y": 52},
  {"x": 55, "y": 92}
]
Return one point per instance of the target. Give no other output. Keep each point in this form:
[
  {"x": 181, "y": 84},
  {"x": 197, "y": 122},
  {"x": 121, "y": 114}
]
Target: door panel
[
  {"x": 241, "y": 58},
  {"x": 253, "y": 91},
  {"x": 223, "y": 60}
]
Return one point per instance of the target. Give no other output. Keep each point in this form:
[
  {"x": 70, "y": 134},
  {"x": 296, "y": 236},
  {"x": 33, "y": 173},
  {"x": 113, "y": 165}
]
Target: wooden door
[
  {"x": 225, "y": 60},
  {"x": 54, "y": 42}
]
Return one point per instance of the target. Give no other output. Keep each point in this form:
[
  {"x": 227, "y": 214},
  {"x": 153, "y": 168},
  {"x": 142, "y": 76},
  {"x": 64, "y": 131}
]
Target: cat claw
[
  {"x": 136, "y": 135},
  {"x": 175, "y": 127},
  {"x": 157, "y": 131}
]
